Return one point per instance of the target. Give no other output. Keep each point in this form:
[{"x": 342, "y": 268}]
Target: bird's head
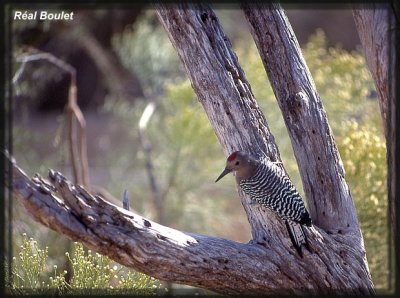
[{"x": 241, "y": 163}]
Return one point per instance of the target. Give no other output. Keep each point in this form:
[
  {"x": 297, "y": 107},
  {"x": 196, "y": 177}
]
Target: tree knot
[{"x": 298, "y": 103}]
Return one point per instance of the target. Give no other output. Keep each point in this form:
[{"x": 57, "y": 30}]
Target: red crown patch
[{"x": 232, "y": 156}]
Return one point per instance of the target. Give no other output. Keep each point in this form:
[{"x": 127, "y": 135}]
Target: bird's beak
[{"x": 224, "y": 172}]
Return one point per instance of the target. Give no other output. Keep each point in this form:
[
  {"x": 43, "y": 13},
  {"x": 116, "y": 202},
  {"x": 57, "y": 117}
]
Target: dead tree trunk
[
  {"x": 321, "y": 169},
  {"x": 375, "y": 32},
  {"x": 377, "y": 26},
  {"x": 269, "y": 263}
]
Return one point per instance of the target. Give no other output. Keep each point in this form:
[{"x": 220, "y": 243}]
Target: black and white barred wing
[{"x": 271, "y": 187}]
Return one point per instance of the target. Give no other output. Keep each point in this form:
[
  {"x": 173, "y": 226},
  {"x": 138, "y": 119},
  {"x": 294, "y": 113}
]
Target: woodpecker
[{"x": 268, "y": 185}]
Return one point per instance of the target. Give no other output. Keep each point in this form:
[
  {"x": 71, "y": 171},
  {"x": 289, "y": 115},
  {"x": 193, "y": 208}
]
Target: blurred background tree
[{"x": 186, "y": 155}]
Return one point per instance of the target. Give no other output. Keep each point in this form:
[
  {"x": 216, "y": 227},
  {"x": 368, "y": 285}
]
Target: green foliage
[
  {"x": 343, "y": 82},
  {"x": 28, "y": 270},
  {"x": 146, "y": 50},
  {"x": 96, "y": 272},
  {"x": 92, "y": 273},
  {"x": 364, "y": 158}
]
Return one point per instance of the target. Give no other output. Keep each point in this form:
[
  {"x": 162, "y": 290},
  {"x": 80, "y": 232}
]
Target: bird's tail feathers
[{"x": 298, "y": 236}]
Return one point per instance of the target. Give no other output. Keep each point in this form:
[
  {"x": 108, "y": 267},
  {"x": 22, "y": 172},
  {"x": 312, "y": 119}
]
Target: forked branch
[{"x": 268, "y": 264}]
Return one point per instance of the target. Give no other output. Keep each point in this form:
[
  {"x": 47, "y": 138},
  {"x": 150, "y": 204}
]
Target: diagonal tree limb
[
  {"x": 223, "y": 90},
  {"x": 329, "y": 199},
  {"x": 268, "y": 264},
  {"x": 214, "y": 263}
]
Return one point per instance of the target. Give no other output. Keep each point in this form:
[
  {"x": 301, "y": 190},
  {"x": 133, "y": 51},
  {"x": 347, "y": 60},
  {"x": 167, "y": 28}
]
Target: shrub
[{"x": 91, "y": 273}]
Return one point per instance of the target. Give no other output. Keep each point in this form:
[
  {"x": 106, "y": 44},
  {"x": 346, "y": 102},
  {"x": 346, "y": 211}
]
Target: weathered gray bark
[
  {"x": 377, "y": 26},
  {"x": 374, "y": 30},
  {"x": 213, "y": 263},
  {"x": 225, "y": 93},
  {"x": 269, "y": 263},
  {"x": 320, "y": 166}
]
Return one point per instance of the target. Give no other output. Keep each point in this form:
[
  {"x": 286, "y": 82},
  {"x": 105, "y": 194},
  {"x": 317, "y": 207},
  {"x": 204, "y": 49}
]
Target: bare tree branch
[
  {"x": 74, "y": 113},
  {"x": 146, "y": 146},
  {"x": 377, "y": 26},
  {"x": 374, "y": 30},
  {"x": 80, "y": 166},
  {"x": 214, "y": 263},
  {"x": 329, "y": 200},
  {"x": 268, "y": 264}
]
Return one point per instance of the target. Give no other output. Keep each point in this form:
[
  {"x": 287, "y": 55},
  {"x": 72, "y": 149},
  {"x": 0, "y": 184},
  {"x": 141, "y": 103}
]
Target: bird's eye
[{"x": 237, "y": 163}]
